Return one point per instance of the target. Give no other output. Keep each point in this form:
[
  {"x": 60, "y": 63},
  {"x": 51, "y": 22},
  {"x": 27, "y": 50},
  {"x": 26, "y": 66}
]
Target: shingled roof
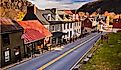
[
  {"x": 33, "y": 31},
  {"x": 34, "y": 13},
  {"x": 9, "y": 26}
]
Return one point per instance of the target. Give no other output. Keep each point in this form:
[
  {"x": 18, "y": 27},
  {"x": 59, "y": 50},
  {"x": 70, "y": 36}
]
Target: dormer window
[
  {"x": 62, "y": 16},
  {"x": 77, "y": 16},
  {"x": 67, "y": 16},
  {"x": 49, "y": 17},
  {"x": 73, "y": 16}
]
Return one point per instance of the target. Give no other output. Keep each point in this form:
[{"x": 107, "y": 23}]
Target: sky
[{"x": 59, "y": 4}]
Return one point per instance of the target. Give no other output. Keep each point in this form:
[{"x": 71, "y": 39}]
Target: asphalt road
[{"x": 66, "y": 61}]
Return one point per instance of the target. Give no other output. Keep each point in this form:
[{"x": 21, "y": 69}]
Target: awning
[
  {"x": 58, "y": 34},
  {"x": 33, "y": 31},
  {"x": 32, "y": 35}
]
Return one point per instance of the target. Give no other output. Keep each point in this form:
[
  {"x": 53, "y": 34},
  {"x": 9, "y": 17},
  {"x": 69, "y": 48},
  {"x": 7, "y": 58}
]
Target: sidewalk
[
  {"x": 24, "y": 60},
  {"x": 27, "y": 59}
]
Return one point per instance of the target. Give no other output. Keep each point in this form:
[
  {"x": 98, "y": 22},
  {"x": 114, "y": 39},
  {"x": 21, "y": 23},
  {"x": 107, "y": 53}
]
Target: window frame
[{"x": 6, "y": 39}]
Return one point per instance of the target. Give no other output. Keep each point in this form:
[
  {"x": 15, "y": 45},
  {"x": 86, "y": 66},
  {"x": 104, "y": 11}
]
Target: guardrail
[{"x": 76, "y": 66}]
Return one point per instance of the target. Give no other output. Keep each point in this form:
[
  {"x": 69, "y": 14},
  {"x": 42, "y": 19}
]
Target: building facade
[{"x": 12, "y": 46}]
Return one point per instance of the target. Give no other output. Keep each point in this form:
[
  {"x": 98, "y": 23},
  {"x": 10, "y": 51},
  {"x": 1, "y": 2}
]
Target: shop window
[
  {"x": 5, "y": 39},
  {"x": 39, "y": 42},
  {"x": 17, "y": 53}
]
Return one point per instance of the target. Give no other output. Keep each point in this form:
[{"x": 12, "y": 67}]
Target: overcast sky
[{"x": 59, "y": 4}]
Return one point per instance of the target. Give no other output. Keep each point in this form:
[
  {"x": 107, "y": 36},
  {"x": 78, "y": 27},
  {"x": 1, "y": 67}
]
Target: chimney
[{"x": 31, "y": 9}]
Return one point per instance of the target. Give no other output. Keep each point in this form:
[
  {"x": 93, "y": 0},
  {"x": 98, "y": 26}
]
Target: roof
[
  {"x": 116, "y": 25},
  {"x": 61, "y": 12},
  {"x": 8, "y": 25},
  {"x": 56, "y": 22},
  {"x": 41, "y": 16},
  {"x": 33, "y": 31},
  {"x": 87, "y": 23},
  {"x": 46, "y": 17},
  {"x": 30, "y": 16},
  {"x": 38, "y": 15},
  {"x": 68, "y": 12},
  {"x": 58, "y": 34}
]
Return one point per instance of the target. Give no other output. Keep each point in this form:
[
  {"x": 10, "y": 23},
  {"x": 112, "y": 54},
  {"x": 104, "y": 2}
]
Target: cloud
[{"x": 59, "y": 4}]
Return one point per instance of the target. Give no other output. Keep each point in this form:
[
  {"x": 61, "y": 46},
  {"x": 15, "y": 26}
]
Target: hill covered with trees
[{"x": 101, "y": 6}]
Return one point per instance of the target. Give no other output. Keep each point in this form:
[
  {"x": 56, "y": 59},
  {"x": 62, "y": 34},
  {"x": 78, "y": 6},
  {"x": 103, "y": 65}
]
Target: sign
[
  {"x": 7, "y": 56},
  {"x": 46, "y": 39}
]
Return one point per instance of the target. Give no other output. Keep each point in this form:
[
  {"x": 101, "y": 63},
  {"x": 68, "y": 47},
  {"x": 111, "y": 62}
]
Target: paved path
[{"x": 48, "y": 57}]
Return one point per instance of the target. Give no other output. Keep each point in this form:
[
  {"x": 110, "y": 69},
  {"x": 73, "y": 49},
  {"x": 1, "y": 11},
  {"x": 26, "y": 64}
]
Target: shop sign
[{"x": 7, "y": 56}]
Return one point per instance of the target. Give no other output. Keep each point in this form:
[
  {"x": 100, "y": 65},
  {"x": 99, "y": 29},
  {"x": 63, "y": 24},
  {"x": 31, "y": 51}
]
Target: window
[
  {"x": 53, "y": 28},
  {"x": 79, "y": 24},
  {"x": 5, "y": 39},
  {"x": 74, "y": 31},
  {"x": 62, "y": 16},
  {"x": 77, "y": 30},
  {"x": 64, "y": 26},
  {"x": 68, "y": 26},
  {"x": 75, "y": 24},
  {"x": 67, "y": 34},
  {"x": 57, "y": 27},
  {"x": 67, "y": 16},
  {"x": 70, "y": 33},
  {"x": 49, "y": 17},
  {"x": 71, "y": 25}
]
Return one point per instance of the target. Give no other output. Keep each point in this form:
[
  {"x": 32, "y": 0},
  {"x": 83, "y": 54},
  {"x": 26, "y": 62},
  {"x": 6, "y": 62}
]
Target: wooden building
[
  {"x": 11, "y": 44},
  {"x": 34, "y": 36}
]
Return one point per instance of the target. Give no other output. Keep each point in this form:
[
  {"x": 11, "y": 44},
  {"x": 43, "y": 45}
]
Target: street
[{"x": 61, "y": 59}]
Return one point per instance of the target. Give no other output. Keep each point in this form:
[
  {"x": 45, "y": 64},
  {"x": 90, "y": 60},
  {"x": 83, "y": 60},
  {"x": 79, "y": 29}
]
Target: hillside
[
  {"x": 101, "y": 6},
  {"x": 13, "y": 9},
  {"x": 107, "y": 56}
]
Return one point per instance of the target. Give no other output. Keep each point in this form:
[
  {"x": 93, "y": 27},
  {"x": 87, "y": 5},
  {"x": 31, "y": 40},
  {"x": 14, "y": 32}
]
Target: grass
[{"x": 108, "y": 56}]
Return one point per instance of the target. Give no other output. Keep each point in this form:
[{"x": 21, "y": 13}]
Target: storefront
[
  {"x": 35, "y": 36},
  {"x": 7, "y": 56},
  {"x": 11, "y": 44},
  {"x": 57, "y": 38}
]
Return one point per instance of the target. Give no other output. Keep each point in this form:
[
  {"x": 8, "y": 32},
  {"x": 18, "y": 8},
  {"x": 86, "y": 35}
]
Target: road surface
[{"x": 61, "y": 59}]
